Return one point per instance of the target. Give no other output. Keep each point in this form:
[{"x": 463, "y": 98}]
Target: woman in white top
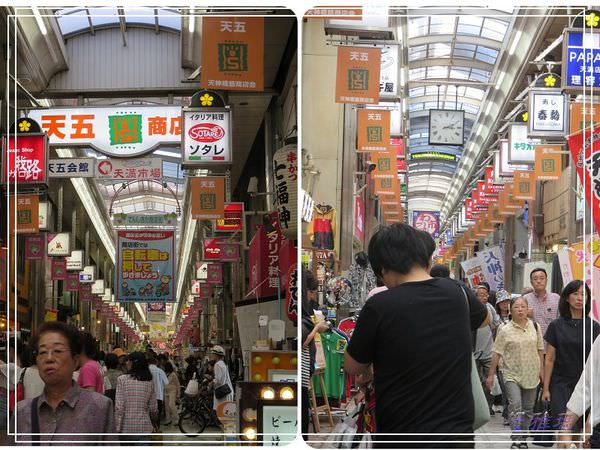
[
  {"x": 221, "y": 376},
  {"x": 33, "y": 385}
]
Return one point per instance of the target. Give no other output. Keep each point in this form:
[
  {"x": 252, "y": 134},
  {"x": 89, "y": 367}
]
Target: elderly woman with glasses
[{"x": 63, "y": 407}]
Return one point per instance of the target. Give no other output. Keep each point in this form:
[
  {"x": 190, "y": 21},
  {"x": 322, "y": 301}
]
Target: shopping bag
[
  {"x": 496, "y": 387},
  {"x": 541, "y": 427},
  {"x": 366, "y": 441},
  {"x": 342, "y": 435},
  {"x": 192, "y": 387}
]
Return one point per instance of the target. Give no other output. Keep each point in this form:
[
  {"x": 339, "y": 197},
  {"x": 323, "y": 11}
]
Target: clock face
[{"x": 446, "y": 127}]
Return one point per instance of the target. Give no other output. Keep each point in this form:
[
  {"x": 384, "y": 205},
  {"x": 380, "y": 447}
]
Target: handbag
[
  {"x": 192, "y": 387},
  {"x": 222, "y": 391},
  {"x": 542, "y": 429},
  {"x": 482, "y": 410}
]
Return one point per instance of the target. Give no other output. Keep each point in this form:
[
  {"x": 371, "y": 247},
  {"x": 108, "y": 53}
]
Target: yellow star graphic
[
  {"x": 24, "y": 126},
  {"x": 592, "y": 20},
  {"x": 550, "y": 81},
  {"x": 525, "y": 116},
  {"x": 207, "y": 100}
]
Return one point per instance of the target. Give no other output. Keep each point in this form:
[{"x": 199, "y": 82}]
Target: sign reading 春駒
[
  {"x": 71, "y": 168},
  {"x": 548, "y": 112},
  {"x": 358, "y": 74},
  {"x": 206, "y": 136},
  {"x": 122, "y": 131},
  {"x": 129, "y": 169},
  {"x": 232, "y": 56},
  {"x": 145, "y": 271},
  {"x": 373, "y": 130},
  {"x": 208, "y": 197},
  {"x": 24, "y": 159}
]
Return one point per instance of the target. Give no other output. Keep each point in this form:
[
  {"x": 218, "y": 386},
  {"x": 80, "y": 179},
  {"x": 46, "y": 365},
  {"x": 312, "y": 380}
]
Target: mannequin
[{"x": 362, "y": 278}]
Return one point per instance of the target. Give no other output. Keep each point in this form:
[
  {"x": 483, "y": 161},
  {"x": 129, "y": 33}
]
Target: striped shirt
[
  {"x": 135, "y": 401},
  {"x": 545, "y": 309},
  {"x": 305, "y": 367}
]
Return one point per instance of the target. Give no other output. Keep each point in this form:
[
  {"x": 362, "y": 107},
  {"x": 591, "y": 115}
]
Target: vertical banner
[
  {"x": 58, "y": 269},
  {"x": 35, "y": 247},
  {"x": 358, "y": 72},
  {"x": 208, "y": 197},
  {"x": 25, "y": 159},
  {"x": 214, "y": 273},
  {"x": 492, "y": 261},
  {"x": 586, "y": 156},
  {"x": 291, "y": 293},
  {"x": 473, "y": 269},
  {"x": 548, "y": 162},
  {"x": 524, "y": 185},
  {"x": 72, "y": 282},
  {"x": 27, "y": 213},
  {"x": 359, "y": 219},
  {"x": 373, "y": 130},
  {"x": 232, "y": 56},
  {"x": 285, "y": 168},
  {"x": 145, "y": 266},
  {"x": 428, "y": 221},
  {"x": 385, "y": 165}
]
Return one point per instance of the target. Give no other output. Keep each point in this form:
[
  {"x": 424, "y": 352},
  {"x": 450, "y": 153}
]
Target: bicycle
[{"x": 197, "y": 413}]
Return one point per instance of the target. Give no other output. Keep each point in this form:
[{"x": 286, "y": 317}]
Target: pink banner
[
  {"x": 58, "y": 269},
  {"x": 214, "y": 273},
  {"x": 72, "y": 282},
  {"x": 34, "y": 247}
]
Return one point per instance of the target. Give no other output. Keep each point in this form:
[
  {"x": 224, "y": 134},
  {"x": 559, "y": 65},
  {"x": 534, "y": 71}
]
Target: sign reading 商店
[{"x": 122, "y": 131}]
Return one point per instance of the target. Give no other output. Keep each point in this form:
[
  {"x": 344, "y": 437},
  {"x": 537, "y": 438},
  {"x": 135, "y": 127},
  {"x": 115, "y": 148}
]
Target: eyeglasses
[{"x": 44, "y": 353}]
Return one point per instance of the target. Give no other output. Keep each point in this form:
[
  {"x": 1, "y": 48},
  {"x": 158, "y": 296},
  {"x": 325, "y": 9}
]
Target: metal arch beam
[
  {"x": 446, "y": 98},
  {"x": 460, "y": 39},
  {"x": 448, "y": 81},
  {"x": 426, "y": 194},
  {"x": 451, "y": 61}
]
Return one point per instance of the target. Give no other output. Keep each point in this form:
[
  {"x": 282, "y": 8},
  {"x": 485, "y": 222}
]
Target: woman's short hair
[
  {"x": 564, "y": 308},
  {"x": 71, "y": 334},
  {"x": 512, "y": 302},
  {"x": 90, "y": 346},
  {"x": 111, "y": 360},
  {"x": 398, "y": 247},
  {"x": 139, "y": 366}
]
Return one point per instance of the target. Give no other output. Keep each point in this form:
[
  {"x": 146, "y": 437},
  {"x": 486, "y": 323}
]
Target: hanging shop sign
[
  {"x": 25, "y": 159},
  {"x": 98, "y": 287},
  {"x": 524, "y": 185},
  {"x": 285, "y": 171},
  {"x": 145, "y": 266},
  {"x": 34, "y": 247},
  {"x": 491, "y": 188},
  {"x": 59, "y": 244},
  {"x": 388, "y": 81},
  {"x": 397, "y": 146},
  {"x": 359, "y": 218},
  {"x": 548, "y": 162},
  {"x": 385, "y": 165},
  {"x": 195, "y": 289},
  {"x": 58, "y": 269},
  {"x": 494, "y": 214},
  {"x": 468, "y": 215},
  {"x": 72, "y": 282},
  {"x": 373, "y": 130},
  {"x": 72, "y": 168},
  {"x": 473, "y": 269},
  {"x": 142, "y": 220},
  {"x": 291, "y": 294},
  {"x": 211, "y": 248},
  {"x": 274, "y": 240},
  {"x": 428, "y": 221},
  {"x": 122, "y": 131},
  {"x": 432, "y": 155},
  {"x": 207, "y": 197},
  {"x": 229, "y": 252},
  {"x": 44, "y": 213},
  {"x": 358, "y": 73},
  {"x": 586, "y": 155},
  {"x": 492, "y": 263},
  {"x": 206, "y": 137},
  {"x": 583, "y": 115},
  {"x": 521, "y": 148},
  {"x": 75, "y": 261},
  {"x": 548, "y": 114},
  {"x": 233, "y": 218},
  {"x": 580, "y": 59},
  {"x": 88, "y": 274},
  {"x": 387, "y": 186},
  {"x": 232, "y": 57},
  {"x": 156, "y": 312},
  {"x": 503, "y": 166},
  {"x": 27, "y": 213},
  {"x": 129, "y": 169},
  {"x": 205, "y": 291},
  {"x": 339, "y": 13},
  {"x": 214, "y": 274},
  {"x": 201, "y": 270}
]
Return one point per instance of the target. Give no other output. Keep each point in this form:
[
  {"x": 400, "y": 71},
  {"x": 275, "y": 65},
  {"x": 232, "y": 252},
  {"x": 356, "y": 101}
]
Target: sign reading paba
[
  {"x": 122, "y": 131},
  {"x": 206, "y": 137}
]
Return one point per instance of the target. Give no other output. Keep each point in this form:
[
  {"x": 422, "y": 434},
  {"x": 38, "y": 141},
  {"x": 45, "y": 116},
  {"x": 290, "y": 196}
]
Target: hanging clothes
[
  {"x": 334, "y": 346},
  {"x": 363, "y": 281},
  {"x": 321, "y": 231}
]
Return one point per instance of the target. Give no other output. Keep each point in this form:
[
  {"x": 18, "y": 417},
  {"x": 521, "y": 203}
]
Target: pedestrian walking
[
  {"x": 113, "y": 372},
  {"x": 32, "y": 383},
  {"x": 520, "y": 345},
  {"x": 223, "y": 389},
  {"x": 63, "y": 407},
  {"x": 160, "y": 381},
  {"x": 543, "y": 305},
  {"x": 172, "y": 392},
  {"x": 416, "y": 336},
  {"x": 90, "y": 372},
  {"x": 136, "y": 408},
  {"x": 569, "y": 340}
]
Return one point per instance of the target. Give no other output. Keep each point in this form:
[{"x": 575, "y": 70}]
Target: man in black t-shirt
[{"x": 417, "y": 337}]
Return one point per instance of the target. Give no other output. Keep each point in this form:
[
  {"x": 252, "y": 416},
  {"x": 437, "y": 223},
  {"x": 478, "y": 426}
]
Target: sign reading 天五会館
[
  {"x": 358, "y": 73},
  {"x": 232, "y": 53},
  {"x": 145, "y": 271},
  {"x": 122, "y": 131}
]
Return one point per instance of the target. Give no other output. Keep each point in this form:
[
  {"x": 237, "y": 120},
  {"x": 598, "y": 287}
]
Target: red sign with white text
[
  {"x": 233, "y": 218},
  {"x": 359, "y": 218},
  {"x": 212, "y": 248},
  {"x": 25, "y": 158}
]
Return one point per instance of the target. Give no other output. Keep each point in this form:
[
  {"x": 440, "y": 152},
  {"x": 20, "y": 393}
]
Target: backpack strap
[
  {"x": 22, "y": 377},
  {"x": 35, "y": 421}
]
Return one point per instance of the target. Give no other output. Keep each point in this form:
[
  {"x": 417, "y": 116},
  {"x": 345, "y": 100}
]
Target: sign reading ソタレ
[
  {"x": 285, "y": 168},
  {"x": 122, "y": 131},
  {"x": 428, "y": 221},
  {"x": 206, "y": 137},
  {"x": 145, "y": 261},
  {"x": 24, "y": 159}
]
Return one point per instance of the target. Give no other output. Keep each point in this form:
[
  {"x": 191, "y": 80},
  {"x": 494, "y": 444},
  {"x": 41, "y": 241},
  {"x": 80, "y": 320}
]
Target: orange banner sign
[
  {"x": 373, "y": 130},
  {"x": 582, "y": 115},
  {"x": 358, "y": 73},
  {"x": 524, "y": 185},
  {"x": 232, "y": 53},
  {"x": 548, "y": 163},
  {"x": 207, "y": 197},
  {"x": 387, "y": 186},
  {"x": 385, "y": 165},
  {"x": 28, "y": 215}
]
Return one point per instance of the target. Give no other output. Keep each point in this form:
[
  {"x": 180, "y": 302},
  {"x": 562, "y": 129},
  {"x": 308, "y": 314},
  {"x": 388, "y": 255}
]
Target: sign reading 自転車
[
  {"x": 129, "y": 169},
  {"x": 122, "y": 131},
  {"x": 72, "y": 167},
  {"x": 581, "y": 59},
  {"x": 206, "y": 136}
]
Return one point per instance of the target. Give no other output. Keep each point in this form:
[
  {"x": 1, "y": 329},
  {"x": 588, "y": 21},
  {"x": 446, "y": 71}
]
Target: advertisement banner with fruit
[{"x": 206, "y": 136}]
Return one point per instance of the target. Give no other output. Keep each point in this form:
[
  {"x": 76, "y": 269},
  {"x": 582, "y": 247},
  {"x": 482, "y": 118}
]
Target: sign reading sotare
[{"x": 206, "y": 137}]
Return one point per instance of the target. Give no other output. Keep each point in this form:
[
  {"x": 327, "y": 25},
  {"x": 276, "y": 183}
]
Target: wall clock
[{"x": 446, "y": 127}]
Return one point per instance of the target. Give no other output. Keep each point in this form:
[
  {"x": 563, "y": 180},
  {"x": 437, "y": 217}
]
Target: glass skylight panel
[
  {"x": 459, "y": 73},
  {"x": 140, "y": 15},
  {"x": 437, "y": 72},
  {"x": 470, "y": 109},
  {"x": 416, "y": 106},
  {"x": 469, "y": 25},
  {"x": 72, "y": 23},
  {"x": 439, "y": 50},
  {"x": 473, "y": 93},
  {"x": 480, "y": 75},
  {"x": 104, "y": 16},
  {"x": 169, "y": 18},
  {"x": 494, "y": 29},
  {"x": 416, "y": 92},
  {"x": 418, "y": 26},
  {"x": 416, "y": 74},
  {"x": 417, "y": 52},
  {"x": 442, "y": 24}
]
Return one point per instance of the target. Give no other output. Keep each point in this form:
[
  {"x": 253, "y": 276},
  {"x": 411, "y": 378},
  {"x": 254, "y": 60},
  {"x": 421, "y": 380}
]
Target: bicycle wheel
[{"x": 191, "y": 423}]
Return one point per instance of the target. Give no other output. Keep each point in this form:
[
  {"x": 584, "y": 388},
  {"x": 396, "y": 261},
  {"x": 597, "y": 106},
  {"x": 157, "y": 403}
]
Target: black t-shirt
[
  {"x": 418, "y": 337},
  {"x": 566, "y": 336}
]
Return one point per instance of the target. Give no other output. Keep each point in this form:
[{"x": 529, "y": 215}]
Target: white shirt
[
  {"x": 33, "y": 384},
  {"x": 222, "y": 377},
  {"x": 581, "y": 399},
  {"x": 160, "y": 381}
]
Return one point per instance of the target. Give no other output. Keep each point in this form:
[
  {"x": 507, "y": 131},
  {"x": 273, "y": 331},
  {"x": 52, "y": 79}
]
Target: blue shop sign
[{"x": 582, "y": 58}]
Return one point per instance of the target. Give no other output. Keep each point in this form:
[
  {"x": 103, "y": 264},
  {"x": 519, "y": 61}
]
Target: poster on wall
[
  {"x": 473, "y": 269},
  {"x": 492, "y": 263},
  {"x": 585, "y": 256},
  {"x": 428, "y": 221},
  {"x": 145, "y": 266}
]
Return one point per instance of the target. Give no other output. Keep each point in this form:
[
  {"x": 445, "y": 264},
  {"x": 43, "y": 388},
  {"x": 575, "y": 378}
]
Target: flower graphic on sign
[
  {"x": 592, "y": 20},
  {"x": 525, "y": 116},
  {"x": 550, "y": 80},
  {"x": 24, "y": 126},
  {"x": 207, "y": 100}
]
